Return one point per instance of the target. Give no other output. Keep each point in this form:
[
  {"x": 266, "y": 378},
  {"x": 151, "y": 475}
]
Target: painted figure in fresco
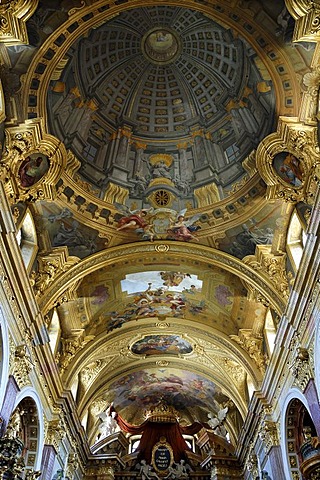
[
  {"x": 291, "y": 170},
  {"x": 134, "y": 219},
  {"x": 182, "y": 228},
  {"x": 173, "y": 279},
  {"x": 32, "y": 169}
]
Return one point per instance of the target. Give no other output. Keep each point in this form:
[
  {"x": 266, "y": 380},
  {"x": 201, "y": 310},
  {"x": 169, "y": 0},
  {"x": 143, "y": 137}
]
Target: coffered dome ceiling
[
  {"x": 147, "y": 112},
  {"x": 166, "y": 73}
]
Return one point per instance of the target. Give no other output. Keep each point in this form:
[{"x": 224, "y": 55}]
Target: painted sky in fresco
[
  {"x": 137, "y": 282},
  {"x": 157, "y": 344},
  {"x": 180, "y": 389}
]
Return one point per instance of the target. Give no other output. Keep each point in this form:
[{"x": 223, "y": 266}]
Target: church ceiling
[{"x": 161, "y": 242}]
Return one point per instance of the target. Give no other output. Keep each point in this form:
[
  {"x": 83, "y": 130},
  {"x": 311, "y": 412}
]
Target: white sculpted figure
[
  {"x": 178, "y": 470},
  {"x": 109, "y": 424},
  {"x": 216, "y": 423},
  {"x": 146, "y": 471}
]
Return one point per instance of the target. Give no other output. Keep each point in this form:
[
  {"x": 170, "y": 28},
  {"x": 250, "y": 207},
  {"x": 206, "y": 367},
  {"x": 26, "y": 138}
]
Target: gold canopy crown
[{"x": 162, "y": 413}]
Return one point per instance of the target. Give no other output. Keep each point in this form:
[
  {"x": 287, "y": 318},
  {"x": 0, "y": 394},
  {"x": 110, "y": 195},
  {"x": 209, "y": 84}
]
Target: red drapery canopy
[{"x": 153, "y": 431}]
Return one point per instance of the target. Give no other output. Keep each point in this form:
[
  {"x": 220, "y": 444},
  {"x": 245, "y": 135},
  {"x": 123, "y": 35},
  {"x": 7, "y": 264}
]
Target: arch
[
  {"x": 29, "y": 392},
  {"x": 293, "y": 394},
  {"x": 174, "y": 250}
]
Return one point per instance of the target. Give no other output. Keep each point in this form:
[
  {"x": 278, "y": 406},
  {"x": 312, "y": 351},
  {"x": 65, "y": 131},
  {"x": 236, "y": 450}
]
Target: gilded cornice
[
  {"x": 253, "y": 345},
  {"x": 13, "y": 18},
  {"x": 307, "y": 16},
  {"x": 176, "y": 250}
]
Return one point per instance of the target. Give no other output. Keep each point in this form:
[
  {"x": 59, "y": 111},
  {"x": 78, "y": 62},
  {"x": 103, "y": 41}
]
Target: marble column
[
  {"x": 47, "y": 463},
  {"x": 9, "y": 400}
]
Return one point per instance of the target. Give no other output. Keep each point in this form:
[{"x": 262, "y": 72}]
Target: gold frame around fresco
[
  {"x": 299, "y": 140},
  {"x": 163, "y": 443}
]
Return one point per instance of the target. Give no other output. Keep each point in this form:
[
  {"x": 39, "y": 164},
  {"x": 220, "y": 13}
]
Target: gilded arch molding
[
  {"x": 81, "y": 20},
  {"x": 13, "y": 17},
  {"x": 61, "y": 280}
]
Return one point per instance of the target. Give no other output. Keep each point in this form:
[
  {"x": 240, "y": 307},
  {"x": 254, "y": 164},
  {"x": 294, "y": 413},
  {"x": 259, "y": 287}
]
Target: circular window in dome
[{"x": 161, "y": 45}]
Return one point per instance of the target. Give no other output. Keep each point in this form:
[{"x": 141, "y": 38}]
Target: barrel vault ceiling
[{"x": 144, "y": 110}]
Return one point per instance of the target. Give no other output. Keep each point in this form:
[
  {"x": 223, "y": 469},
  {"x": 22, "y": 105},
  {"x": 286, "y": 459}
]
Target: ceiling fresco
[
  {"x": 166, "y": 344},
  {"x": 181, "y": 389},
  {"x": 153, "y": 156},
  {"x": 195, "y": 91}
]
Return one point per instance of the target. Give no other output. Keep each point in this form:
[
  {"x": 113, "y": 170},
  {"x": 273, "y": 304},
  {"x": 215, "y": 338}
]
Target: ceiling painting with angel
[{"x": 160, "y": 223}]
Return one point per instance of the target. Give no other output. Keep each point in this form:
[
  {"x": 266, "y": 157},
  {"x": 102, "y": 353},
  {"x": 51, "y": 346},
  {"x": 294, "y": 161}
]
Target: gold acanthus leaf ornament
[
  {"x": 71, "y": 346},
  {"x": 272, "y": 267},
  {"x": 253, "y": 345},
  {"x": 22, "y": 366}
]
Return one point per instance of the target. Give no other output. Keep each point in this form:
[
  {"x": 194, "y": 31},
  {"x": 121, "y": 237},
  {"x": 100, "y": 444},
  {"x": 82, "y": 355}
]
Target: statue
[
  {"x": 179, "y": 470},
  {"x": 59, "y": 475},
  {"x": 109, "y": 424},
  {"x": 160, "y": 169},
  {"x": 216, "y": 423},
  {"x": 32, "y": 474},
  {"x": 146, "y": 471},
  {"x": 14, "y": 425}
]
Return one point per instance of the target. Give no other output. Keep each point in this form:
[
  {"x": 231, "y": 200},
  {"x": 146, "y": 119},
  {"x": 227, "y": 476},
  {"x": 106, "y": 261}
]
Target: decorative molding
[
  {"x": 299, "y": 139},
  {"x": 300, "y": 368},
  {"x": 55, "y": 433},
  {"x": 13, "y": 17},
  {"x": 22, "y": 366},
  {"x": 22, "y": 141},
  {"x": 272, "y": 267},
  {"x": 307, "y": 16},
  {"x": 253, "y": 345},
  {"x": 49, "y": 267},
  {"x": 269, "y": 434}
]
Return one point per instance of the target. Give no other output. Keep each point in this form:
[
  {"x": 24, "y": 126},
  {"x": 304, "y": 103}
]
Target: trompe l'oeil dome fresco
[{"x": 162, "y": 80}]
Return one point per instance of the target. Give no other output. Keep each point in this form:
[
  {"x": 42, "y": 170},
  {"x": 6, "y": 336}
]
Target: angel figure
[
  {"x": 109, "y": 424},
  {"x": 182, "y": 228},
  {"x": 216, "y": 423},
  {"x": 132, "y": 220}
]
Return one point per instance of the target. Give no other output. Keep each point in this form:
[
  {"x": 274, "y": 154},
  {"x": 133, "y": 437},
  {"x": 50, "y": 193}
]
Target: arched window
[
  {"x": 27, "y": 240},
  {"x": 54, "y": 331},
  {"x": 269, "y": 332},
  {"x": 295, "y": 241}
]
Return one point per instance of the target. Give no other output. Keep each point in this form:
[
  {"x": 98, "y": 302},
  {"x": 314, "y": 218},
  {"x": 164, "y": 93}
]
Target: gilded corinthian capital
[
  {"x": 307, "y": 16},
  {"x": 13, "y": 17}
]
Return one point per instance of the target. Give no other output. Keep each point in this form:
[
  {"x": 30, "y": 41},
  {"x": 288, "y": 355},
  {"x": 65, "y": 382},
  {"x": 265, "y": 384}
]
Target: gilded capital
[{"x": 21, "y": 365}]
